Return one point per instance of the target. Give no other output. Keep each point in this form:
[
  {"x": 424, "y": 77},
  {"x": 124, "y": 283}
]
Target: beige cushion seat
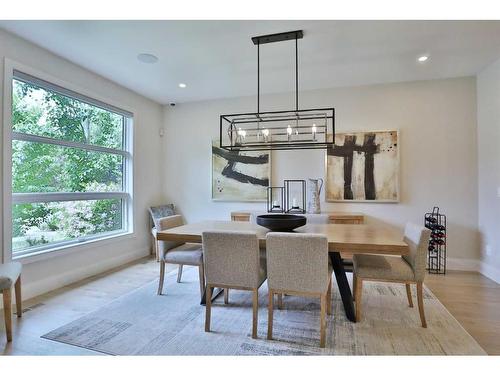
[
  {"x": 407, "y": 269},
  {"x": 298, "y": 264},
  {"x": 188, "y": 253},
  {"x": 9, "y": 273},
  {"x": 233, "y": 260},
  {"x": 382, "y": 267},
  {"x": 180, "y": 253}
]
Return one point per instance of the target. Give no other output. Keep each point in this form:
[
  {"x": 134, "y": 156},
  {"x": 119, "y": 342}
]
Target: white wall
[
  {"x": 437, "y": 123},
  {"x": 90, "y": 259},
  {"x": 488, "y": 108}
]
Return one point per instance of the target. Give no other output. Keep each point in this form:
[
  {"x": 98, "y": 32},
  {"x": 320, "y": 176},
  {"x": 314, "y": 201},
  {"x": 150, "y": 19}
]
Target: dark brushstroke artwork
[
  {"x": 239, "y": 176},
  {"x": 363, "y": 167}
]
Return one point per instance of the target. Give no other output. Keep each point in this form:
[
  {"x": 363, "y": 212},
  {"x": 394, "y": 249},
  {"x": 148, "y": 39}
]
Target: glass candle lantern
[
  {"x": 275, "y": 199},
  {"x": 295, "y": 196}
]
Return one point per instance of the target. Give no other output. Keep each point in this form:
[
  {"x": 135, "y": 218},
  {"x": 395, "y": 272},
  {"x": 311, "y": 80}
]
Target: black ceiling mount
[{"x": 279, "y": 37}]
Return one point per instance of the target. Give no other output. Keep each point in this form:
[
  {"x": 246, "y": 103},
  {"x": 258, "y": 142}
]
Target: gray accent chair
[
  {"x": 407, "y": 269},
  {"x": 233, "y": 260},
  {"x": 156, "y": 214},
  {"x": 10, "y": 274},
  {"x": 298, "y": 264},
  {"x": 180, "y": 253}
]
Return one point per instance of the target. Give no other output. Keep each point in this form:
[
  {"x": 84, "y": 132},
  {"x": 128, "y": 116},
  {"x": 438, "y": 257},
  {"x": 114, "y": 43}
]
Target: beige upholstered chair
[
  {"x": 298, "y": 264},
  {"x": 10, "y": 274},
  {"x": 178, "y": 253},
  {"x": 407, "y": 269},
  {"x": 233, "y": 260}
]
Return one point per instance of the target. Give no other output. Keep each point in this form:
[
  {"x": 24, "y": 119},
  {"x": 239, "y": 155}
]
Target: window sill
[{"x": 66, "y": 249}]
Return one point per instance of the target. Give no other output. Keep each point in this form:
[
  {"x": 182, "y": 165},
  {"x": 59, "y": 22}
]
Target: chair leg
[
  {"x": 162, "y": 277},
  {"x": 7, "y": 310},
  {"x": 157, "y": 252},
  {"x": 420, "y": 299},
  {"x": 270, "y": 315},
  {"x": 153, "y": 248},
  {"x": 179, "y": 273},
  {"x": 329, "y": 298},
  {"x": 19, "y": 301},
  {"x": 358, "y": 293},
  {"x": 226, "y": 296},
  {"x": 322, "y": 340},
  {"x": 408, "y": 294},
  {"x": 280, "y": 301},
  {"x": 255, "y": 319},
  {"x": 201, "y": 272},
  {"x": 208, "y": 308}
]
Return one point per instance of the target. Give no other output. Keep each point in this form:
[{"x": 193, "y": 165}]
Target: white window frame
[{"x": 9, "y": 198}]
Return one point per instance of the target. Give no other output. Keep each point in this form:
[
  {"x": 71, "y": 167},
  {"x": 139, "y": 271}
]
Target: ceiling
[{"x": 217, "y": 59}]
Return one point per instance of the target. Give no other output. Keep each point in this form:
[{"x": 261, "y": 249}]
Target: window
[{"x": 71, "y": 167}]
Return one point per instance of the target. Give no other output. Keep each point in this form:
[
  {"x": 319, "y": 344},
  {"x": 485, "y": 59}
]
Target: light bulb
[
  {"x": 265, "y": 132},
  {"x": 314, "y": 128},
  {"x": 289, "y": 130},
  {"x": 242, "y": 133}
]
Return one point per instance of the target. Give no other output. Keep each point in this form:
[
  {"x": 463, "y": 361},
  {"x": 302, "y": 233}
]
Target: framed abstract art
[{"x": 363, "y": 167}]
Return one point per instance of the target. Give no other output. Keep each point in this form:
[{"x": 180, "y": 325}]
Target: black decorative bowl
[{"x": 281, "y": 222}]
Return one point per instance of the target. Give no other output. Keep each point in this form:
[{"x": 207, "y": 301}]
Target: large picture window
[{"x": 71, "y": 166}]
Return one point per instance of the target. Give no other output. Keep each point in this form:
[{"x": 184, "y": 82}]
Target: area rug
[{"x": 143, "y": 323}]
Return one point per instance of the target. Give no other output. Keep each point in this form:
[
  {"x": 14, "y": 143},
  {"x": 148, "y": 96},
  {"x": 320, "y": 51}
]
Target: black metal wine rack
[{"x": 436, "y": 257}]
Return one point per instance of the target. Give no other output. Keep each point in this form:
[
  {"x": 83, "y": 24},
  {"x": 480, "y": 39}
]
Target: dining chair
[
  {"x": 233, "y": 260},
  {"x": 407, "y": 269},
  {"x": 10, "y": 274},
  {"x": 298, "y": 264},
  {"x": 156, "y": 214},
  {"x": 181, "y": 253}
]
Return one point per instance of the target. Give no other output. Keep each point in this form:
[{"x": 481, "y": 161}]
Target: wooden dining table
[{"x": 342, "y": 238}]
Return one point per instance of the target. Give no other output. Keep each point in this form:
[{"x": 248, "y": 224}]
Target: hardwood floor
[
  {"x": 54, "y": 309},
  {"x": 473, "y": 299}
]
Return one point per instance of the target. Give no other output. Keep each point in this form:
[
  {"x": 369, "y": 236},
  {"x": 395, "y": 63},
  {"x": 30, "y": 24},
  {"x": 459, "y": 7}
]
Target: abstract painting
[
  {"x": 363, "y": 166},
  {"x": 240, "y": 175}
]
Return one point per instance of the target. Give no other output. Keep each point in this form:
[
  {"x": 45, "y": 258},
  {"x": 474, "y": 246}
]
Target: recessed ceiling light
[
  {"x": 147, "y": 58},
  {"x": 423, "y": 58},
  {"x": 182, "y": 85}
]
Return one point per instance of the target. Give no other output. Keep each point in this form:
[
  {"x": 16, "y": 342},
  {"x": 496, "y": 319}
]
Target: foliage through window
[{"x": 69, "y": 167}]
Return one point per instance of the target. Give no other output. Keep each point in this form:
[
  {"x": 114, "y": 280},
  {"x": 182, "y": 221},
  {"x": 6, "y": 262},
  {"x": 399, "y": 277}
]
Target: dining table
[{"x": 380, "y": 239}]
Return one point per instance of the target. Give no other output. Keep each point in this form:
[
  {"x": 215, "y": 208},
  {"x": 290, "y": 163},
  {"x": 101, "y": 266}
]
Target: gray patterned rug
[{"x": 142, "y": 323}]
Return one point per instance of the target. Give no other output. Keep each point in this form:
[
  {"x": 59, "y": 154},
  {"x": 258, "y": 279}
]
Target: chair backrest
[
  {"x": 297, "y": 262},
  {"x": 158, "y": 212},
  {"x": 417, "y": 238},
  {"x": 231, "y": 258},
  {"x": 168, "y": 223}
]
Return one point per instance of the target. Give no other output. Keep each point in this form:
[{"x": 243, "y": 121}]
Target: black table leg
[
  {"x": 215, "y": 294},
  {"x": 343, "y": 284}
]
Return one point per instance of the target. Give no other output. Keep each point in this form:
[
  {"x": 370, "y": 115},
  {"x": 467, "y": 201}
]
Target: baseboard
[
  {"x": 491, "y": 272},
  {"x": 462, "y": 264},
  {"x": 48, "y": 284}
]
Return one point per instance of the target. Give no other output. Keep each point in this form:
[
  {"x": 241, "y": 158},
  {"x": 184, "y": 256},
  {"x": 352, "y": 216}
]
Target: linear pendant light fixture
[{"x": 278, "y": 130}]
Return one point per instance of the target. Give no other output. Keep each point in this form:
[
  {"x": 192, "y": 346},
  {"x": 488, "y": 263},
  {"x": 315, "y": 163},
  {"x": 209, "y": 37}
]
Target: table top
[
  {"x": 351, "y": 238},
  {"x": 335, "y": 214}
]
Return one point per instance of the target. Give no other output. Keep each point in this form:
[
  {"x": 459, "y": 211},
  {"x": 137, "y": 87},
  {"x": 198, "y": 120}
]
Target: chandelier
[{"x": 278, "y": 130}]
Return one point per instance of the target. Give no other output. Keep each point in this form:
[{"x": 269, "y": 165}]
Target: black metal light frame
[
  {"x": 270, "y": 205},
  {"x": 288, "y": 202},
  {"x": 231, "y": 121}
]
